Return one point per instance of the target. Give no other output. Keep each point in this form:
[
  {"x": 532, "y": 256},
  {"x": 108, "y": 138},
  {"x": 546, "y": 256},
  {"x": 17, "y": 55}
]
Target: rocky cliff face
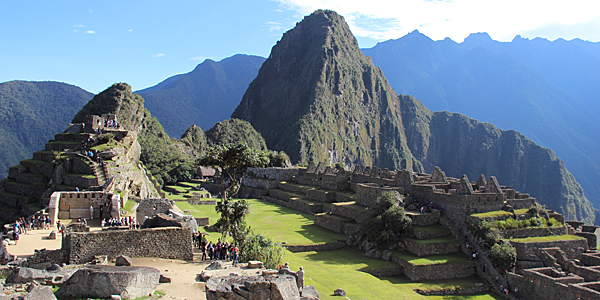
[{"x": 317, "y": 97}]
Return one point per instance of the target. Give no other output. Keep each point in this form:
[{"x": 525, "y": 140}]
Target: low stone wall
[
  {"x": 352, "y": 211},
  {"x": 278, "y": 174},
  {"x": 331, "y": 222},
  {"x": 58, "y": 257},
  {"x": 455, "y": 291},
  {"x": 315, "y": 247},
  {"x": 202, "y": 221},
  {"x": 168, "y": 242},
  {"x": 198, "y": 201},
  {"x": 590, "y": 259},
  {"x": 81, "y": 181},
  {"x": 259, "y": 183},
  {"x": 384, "y": 272},
  {"x": 249, "y": 192},
  {"x": 528, "y": 232},
  {"x": 434, "y": 272},
  {"x": 309, "y": 208},
  {"x": 320, "y": 196},
  {"x": 430, "y": 248},
  {"x": 425, "y": 219}
]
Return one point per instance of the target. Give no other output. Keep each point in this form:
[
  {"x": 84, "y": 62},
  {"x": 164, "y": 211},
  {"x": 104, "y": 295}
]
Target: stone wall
[
  {"x": 572, "y": 248},
  {"x": 434, "y": 272},
  {"x": 200, "y": 201},
  {"x": 59, "y": 257},
  {"x": 167, "y": 242},
  {"x": 545, "y": 283},
  {"x": 259, "y": 183},
  {"x": 331, "y": 222},
  {"x": 424, "y": 219},
  {"x": 358, "y": 213},
  {"x": 249, "y": 192},
  {"x": 150, "y": 207},
  {"x": 590, "y": 259},
  {"x": 315, "y": 247},
  {"x": 529, "y": 232},
  {"x": 75, "y": 205},
  {"x": 278, "y": 174},
  {"x": 427, "y": 249}
]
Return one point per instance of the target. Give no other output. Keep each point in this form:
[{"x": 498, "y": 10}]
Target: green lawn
[
  {"x": 430, "y": 260},
  {"x": 492, "y": 214},
  {"x": 547, "y": 238},
  {"x": 324, "y": 270},
  {"x": 129, "y": 205}
]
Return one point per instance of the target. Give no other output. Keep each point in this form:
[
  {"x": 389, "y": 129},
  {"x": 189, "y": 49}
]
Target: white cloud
[
  {"x": 158, "y": 55},
  {"x": 130, "y": 30},
  {"x": 77, "y": 25},
  {"x": 275, "y": 26},
  {"x": 502, "y": 19},
  {"x": 90, "y": 32},
  {"x": 74, "y": 30},
  {"x": 198, "y": 58}
]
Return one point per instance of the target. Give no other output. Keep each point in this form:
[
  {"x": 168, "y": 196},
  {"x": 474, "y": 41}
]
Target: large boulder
[
  {"x": 27, "y": 275},
  {"x": 281, "y": 287},
  {"x": 104, "y": 281},
  {"x": 217, "y": 265},
  {"x": 161, "y": 220},
  {"x": 40, "y": 292},
  {"x": 309, "y": 292}
]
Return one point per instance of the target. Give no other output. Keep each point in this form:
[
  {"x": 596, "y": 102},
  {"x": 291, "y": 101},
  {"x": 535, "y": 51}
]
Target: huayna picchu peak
[{"x": 318, "y": 98}]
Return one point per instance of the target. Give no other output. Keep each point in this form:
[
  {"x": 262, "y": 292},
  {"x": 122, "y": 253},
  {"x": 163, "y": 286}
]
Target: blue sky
[{"x": 93, "y": 44}]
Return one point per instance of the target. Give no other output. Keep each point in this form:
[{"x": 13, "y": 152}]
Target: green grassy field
[
  {"x": 430, "y": 260},
  {"x": 329, "y": 270},
  {"x": 439, "y": 240},
  {"x": 547, "y": 238}
]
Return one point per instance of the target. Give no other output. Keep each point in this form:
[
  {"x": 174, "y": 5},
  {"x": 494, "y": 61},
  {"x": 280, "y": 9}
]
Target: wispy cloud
[
  {"x": 274, "y": 26},
  {"x": 158, "y": 55},
  {"x": 90, "y": 32},
  {"x": 198, "y": 58},
  {"x": 78, "y": 26},
  {"x": 130, "y": 30},
  {"x": 502, "y": 19}
]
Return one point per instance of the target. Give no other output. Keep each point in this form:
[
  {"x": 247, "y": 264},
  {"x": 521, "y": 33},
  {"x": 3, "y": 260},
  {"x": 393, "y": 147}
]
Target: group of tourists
[
  {"x": 126, "y": 221},
  {"x": 219, "y": 251},
  {"x": 24, "y": 225},
  {"x": 111, "y": 124}
]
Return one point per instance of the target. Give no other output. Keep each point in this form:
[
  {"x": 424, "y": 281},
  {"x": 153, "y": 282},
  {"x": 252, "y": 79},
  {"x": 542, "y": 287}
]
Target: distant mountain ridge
[
  {"x": 546, "y": 90},
  {"x": 31, "y": 112},
  {"x": 204, "y": 96},
  {"x": 318, "y": 98}
]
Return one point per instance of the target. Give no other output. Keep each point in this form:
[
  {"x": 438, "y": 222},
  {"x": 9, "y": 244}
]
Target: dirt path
[{"x": 182, "y": 273}]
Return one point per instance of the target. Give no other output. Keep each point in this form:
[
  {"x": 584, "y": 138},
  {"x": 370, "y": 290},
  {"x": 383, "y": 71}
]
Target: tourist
[
  {"x": 234, "y": 255},
  {"x": 517, "y": 292},
  {"x": 103, "y": 223},
  {"x": 300, "y": 278},
  {"x": 204, "y": 246},
  {"x": 286, "y": 266}
]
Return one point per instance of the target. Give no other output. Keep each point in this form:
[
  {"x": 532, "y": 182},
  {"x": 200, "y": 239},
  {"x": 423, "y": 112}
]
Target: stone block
[
  {"x": 64, "y": 215},
  {"x": 123, "y": 260},
  {"x": 255, "y": 264},
  {"x": 76, "y": 213}
]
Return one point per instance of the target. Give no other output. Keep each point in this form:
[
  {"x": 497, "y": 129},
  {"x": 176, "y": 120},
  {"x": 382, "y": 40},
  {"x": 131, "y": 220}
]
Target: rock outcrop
[
  {"x": 246, "y": 287},
  {"x": 104, "y": 281}
]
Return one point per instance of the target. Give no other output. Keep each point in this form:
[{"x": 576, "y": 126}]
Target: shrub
[
  {"x": 503, "y": 256},
  {"x": 388, "y": 222},
  {"x": 259, "y": 247}
]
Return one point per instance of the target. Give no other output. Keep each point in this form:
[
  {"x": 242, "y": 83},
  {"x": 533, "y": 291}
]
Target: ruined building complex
[{"x": 558, "y": 262}]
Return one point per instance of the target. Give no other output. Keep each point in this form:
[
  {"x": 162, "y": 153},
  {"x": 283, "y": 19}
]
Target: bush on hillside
[
  {"x": 388, "y": 221},
  {"x": 503, "y": 256}
]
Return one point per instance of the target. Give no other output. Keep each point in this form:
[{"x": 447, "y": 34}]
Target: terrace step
[
  {"x": 35, "y": 190},
  {"x": 429, "y": 232},
  {"x": 434, "y": 267},
  {"x": 336, "y": 223},
  {"x": 351, "y": 210},
  {"x": 44, "y": 155},
  {"x": 285, "y": 196},
  {"x": 301, "y": 204},
  {"x": 14, "y": 200},
  {"x": 433, "y": 246}
]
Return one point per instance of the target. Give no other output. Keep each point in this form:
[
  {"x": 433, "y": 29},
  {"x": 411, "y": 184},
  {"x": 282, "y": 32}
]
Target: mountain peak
[
  {"x": 316, "y": 90},
  {"x": 478, "y": 38}
]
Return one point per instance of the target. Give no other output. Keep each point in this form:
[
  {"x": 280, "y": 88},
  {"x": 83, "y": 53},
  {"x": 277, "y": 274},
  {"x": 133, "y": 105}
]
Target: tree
[
  {"x": 233, "y": 160},
  {"x": 503, "y": 256},
  {"x": 388, "y": 221}
]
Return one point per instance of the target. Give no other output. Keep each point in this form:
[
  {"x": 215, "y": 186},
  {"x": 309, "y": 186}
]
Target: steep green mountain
[
  {"x": 159, "y": 153},
  {"x": 317, "y": 97},
  {"x": 204, "y": 96},
  {"x": 31, "y": 113},
  {"x": 195, "y": 139},
  {"x": 546, "y": 90}
]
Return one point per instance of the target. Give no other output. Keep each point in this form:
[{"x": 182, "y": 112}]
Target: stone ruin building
[
  {"x": 88, "y": 205},
  {"x": 340, "y": 201}
]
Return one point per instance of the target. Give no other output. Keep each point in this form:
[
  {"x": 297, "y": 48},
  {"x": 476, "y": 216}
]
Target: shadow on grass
[{"x": 352, "y": 257}]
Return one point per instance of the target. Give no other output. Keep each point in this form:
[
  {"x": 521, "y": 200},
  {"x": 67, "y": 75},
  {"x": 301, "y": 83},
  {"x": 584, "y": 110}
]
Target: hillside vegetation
[{"x": 31, "y": 113}]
